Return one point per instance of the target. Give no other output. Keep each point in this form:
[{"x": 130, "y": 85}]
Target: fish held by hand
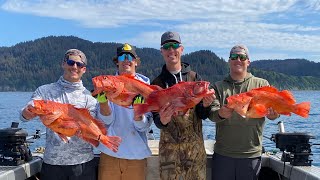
[
  {"x": 255, "y": 103},
  {"x": 121, "y": 89},
  {"x": 72, "y": 121},
  {"x": 182, "y": 96}
]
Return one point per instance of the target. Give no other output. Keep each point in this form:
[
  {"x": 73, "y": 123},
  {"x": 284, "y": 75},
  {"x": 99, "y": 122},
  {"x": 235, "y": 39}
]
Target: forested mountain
[
  {"x": 27, "y": 65},
  {"x": 295, "y": 67}
]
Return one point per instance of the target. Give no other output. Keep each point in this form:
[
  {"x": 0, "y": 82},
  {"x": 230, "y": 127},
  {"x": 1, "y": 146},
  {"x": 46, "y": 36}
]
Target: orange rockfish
[
  {"x": 128, "y": 82},
  {"x": 240, "y": 103},
  {"x": 121, "y": 89},
  {"x": 183, "y": 96},
  {"x": 67, "y": 120},
  {"x": 260, "y": 99}
]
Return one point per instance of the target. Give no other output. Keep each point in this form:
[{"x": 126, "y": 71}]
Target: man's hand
[
  {"x": 272, "y": 114},
  {"x": 138, "y": 100},
  {"x": 225, "y": 112},
  {"x": 27, "y": 112},
  {"x": 166, "y": 112},
  {"x": 101, "y": 98},
  {"x": 207, "y": 100}
]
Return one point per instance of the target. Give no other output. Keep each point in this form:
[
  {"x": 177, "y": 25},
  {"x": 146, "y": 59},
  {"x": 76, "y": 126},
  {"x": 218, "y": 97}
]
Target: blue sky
[{"x": 272, "y": 29}]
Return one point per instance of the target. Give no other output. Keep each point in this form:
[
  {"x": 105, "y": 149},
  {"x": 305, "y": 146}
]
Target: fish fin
[
  {"x": 50, "y": 118},
  {"x": 119, "y": 90},
  {"x": 68, "y": 124},
  {"x": 64, "y": 138},
  {"x": 302, "y": 109},
  {"x": 100, "y": 125},
  {"x": 95, "y": 143},
  {"x": 179, "y": 102},
  {"x": 261, "y": 109},
  {"x": 267, "y": 88},
  {"x": 240, "y": 103},
  {"x": 288, "y": 96},
  {"x": 242, "y": 109},
  {"x": 111, "y": 142},
  {"x": 83, "y": 111},
  {"x": 140, "y": 109}
]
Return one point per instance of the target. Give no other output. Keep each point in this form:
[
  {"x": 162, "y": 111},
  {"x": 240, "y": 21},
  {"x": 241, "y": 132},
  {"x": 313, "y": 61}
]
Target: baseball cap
[
  {"x": 127, "y": 48},
  {"x": 76, "y": 52},
  {"x": 240, "y": 49},
  {"x": 170, "y": 36}
]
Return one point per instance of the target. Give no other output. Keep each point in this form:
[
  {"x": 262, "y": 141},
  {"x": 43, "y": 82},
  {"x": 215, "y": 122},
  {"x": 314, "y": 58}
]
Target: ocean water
[{"x": 12, "y": 102}]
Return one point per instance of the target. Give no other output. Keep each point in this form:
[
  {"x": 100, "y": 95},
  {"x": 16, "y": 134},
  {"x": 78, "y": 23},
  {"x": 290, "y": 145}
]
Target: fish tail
[
  {"x": 140, "y": 109},
  {"x": 111, "y": 142},
  {"x": 302, "y": 109}
]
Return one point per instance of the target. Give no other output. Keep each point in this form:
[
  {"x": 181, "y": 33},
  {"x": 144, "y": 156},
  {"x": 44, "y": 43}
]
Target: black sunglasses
[
  {"x": 72, "y": 62},
  {"x": 242, "y": 57}
]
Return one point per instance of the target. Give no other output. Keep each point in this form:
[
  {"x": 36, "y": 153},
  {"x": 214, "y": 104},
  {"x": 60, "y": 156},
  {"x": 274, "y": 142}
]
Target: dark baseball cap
[
  {"x": 75, "y": 52},
  {"x": 127, "y": 48},
  {"x": 240, "y": 49},
  {"x": 170, "y": 36}
]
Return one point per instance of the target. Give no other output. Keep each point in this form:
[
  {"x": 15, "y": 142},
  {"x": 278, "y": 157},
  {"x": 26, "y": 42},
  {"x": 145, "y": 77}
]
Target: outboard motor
[
  {"x": 13, "y": 148},
  {"x": 295, "y": 146}
]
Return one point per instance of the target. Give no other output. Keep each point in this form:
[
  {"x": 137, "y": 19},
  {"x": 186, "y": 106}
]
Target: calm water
[{"x": 12, "y": 102}]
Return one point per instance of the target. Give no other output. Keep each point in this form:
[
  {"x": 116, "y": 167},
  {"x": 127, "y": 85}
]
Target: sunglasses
[
  {"x": 129, "y": 57},
  {"x": 72, "y": 62},
  {"x": 236, "y": 56},
  {"x": 173, "y": 45}
]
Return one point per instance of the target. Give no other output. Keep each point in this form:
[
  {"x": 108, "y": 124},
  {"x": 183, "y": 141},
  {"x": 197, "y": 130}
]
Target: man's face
[
  {"x": 172, "y": 52},
  {"x": 238, "y": 63},
  {"x": 127, "y": 64},
  {"x": 73, "y": 68}
]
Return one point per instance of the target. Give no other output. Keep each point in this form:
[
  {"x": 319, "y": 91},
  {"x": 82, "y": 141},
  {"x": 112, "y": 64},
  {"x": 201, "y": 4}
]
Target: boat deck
[
  {"x": 21, "y": 172},
  {"x": 283, "y": 171}
]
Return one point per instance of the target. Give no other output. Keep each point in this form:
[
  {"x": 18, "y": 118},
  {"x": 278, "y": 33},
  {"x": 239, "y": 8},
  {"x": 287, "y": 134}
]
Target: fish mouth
[{"x": 206, "y": 85}]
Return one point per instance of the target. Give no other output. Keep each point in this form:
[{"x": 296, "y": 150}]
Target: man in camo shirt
[{"x": 72, "y": 160}]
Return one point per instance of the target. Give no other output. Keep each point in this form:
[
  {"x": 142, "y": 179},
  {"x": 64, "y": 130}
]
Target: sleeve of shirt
[
  {"x": 157, "y": 122},
  {"x": 213, "y": 114},
  {"x": 202, "y": 112},
  {"x": 106, "y": 119},
  {"x": 36, "y": 95},
  {"x": 145, "y": 123}
]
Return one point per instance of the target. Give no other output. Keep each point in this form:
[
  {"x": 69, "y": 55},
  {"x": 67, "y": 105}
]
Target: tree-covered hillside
[{"x": 27, "y": 65}]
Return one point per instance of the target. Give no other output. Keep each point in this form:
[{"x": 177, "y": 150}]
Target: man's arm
[{"x": 165, "y": 115}]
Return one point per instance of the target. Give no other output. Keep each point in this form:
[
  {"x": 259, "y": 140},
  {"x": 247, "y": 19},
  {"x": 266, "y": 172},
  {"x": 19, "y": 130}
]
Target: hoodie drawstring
[{"x": 175, "y": 77}]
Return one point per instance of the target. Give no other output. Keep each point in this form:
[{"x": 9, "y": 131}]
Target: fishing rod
[{"x": 37, "y": 135}]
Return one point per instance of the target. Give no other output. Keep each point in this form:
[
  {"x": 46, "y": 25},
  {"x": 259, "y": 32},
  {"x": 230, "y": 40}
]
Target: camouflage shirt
[
  {"x": 181, "y": 148},
  {"x": 76, "y": 151}
]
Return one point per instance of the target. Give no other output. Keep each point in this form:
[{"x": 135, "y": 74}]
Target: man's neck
[
  {"x": 174, "y": 67},
  {"x": 127, "y": 73},
  {"x": 238, "y": 76}
]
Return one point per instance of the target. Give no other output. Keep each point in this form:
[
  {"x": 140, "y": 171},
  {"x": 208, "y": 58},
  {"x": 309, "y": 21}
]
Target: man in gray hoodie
[{"x": 72, "y": 160}]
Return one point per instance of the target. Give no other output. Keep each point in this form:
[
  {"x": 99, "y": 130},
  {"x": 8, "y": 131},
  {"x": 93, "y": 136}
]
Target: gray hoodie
[{"x": 77, "y": 151}]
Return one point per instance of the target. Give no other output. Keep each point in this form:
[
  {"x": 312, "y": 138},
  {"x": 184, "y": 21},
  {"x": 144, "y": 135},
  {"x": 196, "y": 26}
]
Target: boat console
[
  {"x": 13, "y": 148},
  {"x": 295, "y": 146}
]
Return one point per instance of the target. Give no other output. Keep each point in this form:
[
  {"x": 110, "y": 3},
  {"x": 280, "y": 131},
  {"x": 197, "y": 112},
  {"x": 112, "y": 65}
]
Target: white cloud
[
  {"x": 202, "y": 23},
  {"x": 116, "y": 13}
]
